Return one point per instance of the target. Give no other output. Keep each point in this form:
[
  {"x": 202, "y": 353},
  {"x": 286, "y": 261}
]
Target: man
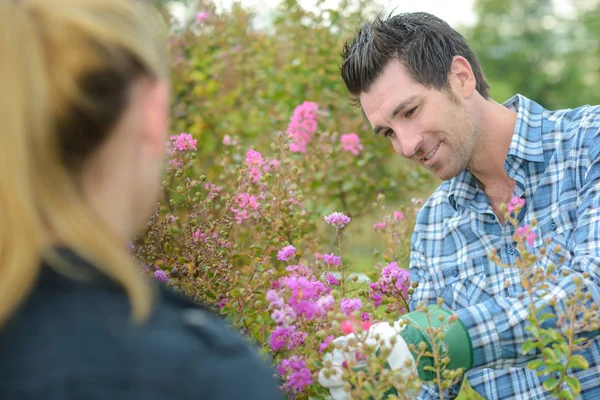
[{"x": 420, "y": 85}]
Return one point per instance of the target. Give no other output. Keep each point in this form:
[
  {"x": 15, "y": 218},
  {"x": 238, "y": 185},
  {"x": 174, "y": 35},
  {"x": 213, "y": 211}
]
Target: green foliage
[
  {"x": 231, "y": 79},
  {"x": 528, "y": 47}
]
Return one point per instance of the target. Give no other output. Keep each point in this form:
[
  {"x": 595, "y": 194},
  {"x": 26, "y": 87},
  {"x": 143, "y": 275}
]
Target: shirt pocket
[
  {"x": 474, "y": 281},
  {"x": 555, "y": 234}
]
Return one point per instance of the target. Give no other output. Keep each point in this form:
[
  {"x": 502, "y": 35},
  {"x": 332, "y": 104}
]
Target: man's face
[{"x": 433, "y": 128}]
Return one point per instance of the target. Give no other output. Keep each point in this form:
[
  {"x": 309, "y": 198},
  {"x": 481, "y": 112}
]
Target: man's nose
[{"x": 407, "y": 143}]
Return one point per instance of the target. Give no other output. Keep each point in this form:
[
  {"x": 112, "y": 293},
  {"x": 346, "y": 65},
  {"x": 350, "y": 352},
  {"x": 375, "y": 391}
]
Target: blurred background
[{"x": 240, "y": 69}]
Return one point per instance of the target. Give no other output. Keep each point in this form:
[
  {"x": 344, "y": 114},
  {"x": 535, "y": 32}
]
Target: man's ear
[
  {"x": 153, "y": 98},
  {"x": 462, "y": 74}
]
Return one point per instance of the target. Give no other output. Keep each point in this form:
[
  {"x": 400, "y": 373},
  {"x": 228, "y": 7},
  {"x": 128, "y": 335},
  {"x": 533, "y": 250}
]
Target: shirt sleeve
[{"x": 497, "y": 326}]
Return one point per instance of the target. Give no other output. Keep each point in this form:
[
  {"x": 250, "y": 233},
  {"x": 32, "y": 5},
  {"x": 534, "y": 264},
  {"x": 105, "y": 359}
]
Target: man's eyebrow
[{"x": 401, "y": 106}]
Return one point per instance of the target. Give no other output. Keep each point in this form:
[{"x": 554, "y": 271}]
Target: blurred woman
[{"x": 84, "y": 99}]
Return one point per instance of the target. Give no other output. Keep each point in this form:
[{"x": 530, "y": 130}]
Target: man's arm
[{"x": 497, "y": 326}]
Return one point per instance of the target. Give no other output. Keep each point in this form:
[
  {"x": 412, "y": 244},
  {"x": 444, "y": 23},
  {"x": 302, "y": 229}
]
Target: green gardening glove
[{"x": 456, "y": 342}]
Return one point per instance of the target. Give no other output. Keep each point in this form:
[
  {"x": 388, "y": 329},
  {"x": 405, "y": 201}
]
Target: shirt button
[
  {"x": 455, "y": 273},
  {"x": 511, "y": 250},
  {"x": 553, "y": 226}
]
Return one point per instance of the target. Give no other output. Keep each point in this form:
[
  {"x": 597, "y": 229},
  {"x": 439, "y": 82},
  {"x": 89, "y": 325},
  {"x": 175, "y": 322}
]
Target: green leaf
[
  {"x": 565, "y": 395},
  {"x": 549, "y": 354},
  {"x": 550, "y": 384},
  {"x": 545, "y": 316},
  {"x": 578, "y": 361},
  {"x": 535, "y": 364},
  {"x": 573, "y": 384},
  {"x": 528, "y": 346},
  {"x": 560, "y": 367}
]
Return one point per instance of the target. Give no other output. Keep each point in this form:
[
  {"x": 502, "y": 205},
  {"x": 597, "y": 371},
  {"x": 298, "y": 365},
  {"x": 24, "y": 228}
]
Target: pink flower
[
  {"x": 347, "y": 327},
  {"x": 181, "y": 143},
  {"x": 297, "y": 376},
  {"x": 392, "y": 278},
  {"x": 365, "y": 321},
  {"x": 333, "y": 281},
  {"x": 325, "y": 343},
  {"x": 337, "y": 219},
  {"x": 300, "y": 270},
  {"x": 379, "y": 226},
  {"x": 274, "y": 298},
  {"x": 351, "y": 143},
  {"x": 284, "y": 316},
  {"x": 377, "y": 299},
  {"x": 244, "y": 202},
  {"x": 398, "y": 216},
  {"x": 286, "y": 336},
  {"x": 325, "y": 303},
  {"x": 349, "y": 305},
  {"x": 223, "y": 303},
  {"x": 287, "y": 253},
  {"x": 332, "y": 259},
  {"x": 255, "y": 161},
  {"x": 525, "y": 233},
  {"x": 273, "y": 164},
  {"x": 227, "y": 140},
  {"x": 161, "y": 276},
  {"x": 516, "y": 203},
  {"x": 302, "y": 126},
  {"x": 202, "y": 16}
]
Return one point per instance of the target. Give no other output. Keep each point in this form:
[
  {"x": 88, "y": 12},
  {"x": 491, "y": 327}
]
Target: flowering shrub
[{"x": 259, "y": 247}]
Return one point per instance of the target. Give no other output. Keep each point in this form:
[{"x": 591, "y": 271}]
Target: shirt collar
[{"x": 526, "y": 144}]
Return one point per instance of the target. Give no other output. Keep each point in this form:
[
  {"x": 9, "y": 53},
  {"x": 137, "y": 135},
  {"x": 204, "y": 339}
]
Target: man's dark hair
[{"x": 422, "y": 42}]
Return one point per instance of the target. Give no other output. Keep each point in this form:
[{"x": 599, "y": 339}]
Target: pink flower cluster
[
  {"x": 212, "y": 190},
  {"x": 254, "y": 161},
  {"x": 525, "y": 233},
  {"x": 244, "y": 202},
  {"x": 302, "y": 126},
  {"x": 161, "y": 276},
  {"x": 286, "y": 336},
  {"x": 177, "y": 146},
  {"x": 394, "y": 281},
  {"x": 349, "y": 305},
  {"x": 181, "y": 143},
  {"x": 337, "y": 219},
  {"x": 298, "y": 296},
  {"x": 296, "y": 374},
  {"x": 286, "y": 253},
  {"x": 202, "y": 16},
  {"x": 351, "y": 143},
  {"x": 332, "y": 259},
  {"x": 516, "y": 203},
  {"x": 396, "y": 217},
  {"x": 228, "y": 141}
]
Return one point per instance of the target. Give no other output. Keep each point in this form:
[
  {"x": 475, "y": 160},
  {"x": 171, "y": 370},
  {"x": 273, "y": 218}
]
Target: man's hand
[
  {"x": 380, "y": 333},
  {"x": 410, "y": 330}
]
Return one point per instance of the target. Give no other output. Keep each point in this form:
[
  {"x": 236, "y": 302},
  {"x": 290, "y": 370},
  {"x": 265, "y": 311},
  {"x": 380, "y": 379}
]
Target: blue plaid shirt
[{"x": 554, "y": 157}]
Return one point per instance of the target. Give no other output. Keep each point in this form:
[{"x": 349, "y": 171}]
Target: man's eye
[
  {"x": 389, "y": 134},
  {"x": 410, "y": 112}
]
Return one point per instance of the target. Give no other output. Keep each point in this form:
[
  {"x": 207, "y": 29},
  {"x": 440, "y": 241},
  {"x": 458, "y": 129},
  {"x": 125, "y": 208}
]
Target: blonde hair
[{"x": 65, "y": 70}]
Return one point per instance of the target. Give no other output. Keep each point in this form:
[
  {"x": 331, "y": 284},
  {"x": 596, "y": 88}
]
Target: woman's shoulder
[{"x": 65, "y": 334}]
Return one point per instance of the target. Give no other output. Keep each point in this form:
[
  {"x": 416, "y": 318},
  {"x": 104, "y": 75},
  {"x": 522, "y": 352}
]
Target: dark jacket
[{"x": 75, "y": 340}]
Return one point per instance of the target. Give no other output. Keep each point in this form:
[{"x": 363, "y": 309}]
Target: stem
[
  {"x": 436, "y": 355},
  {"x": 570, "y": 339},
  {"x": 343, "y": 269}
]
